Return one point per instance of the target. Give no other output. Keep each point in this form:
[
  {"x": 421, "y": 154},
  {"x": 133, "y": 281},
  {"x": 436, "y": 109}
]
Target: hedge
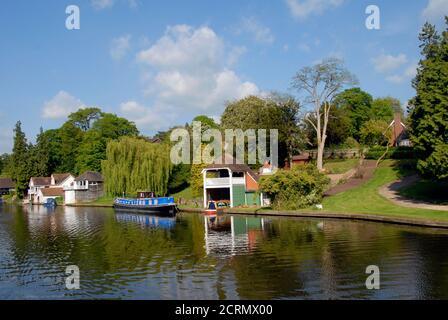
[{"x": 394, "y": 153}]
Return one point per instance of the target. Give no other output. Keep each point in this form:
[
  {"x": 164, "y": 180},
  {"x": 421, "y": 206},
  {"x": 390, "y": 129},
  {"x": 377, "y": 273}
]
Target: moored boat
[{"x": 147, "y": 202}]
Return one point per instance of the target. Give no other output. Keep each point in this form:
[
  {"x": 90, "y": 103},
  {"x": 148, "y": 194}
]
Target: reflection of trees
[{"x": 281, "y": 259}]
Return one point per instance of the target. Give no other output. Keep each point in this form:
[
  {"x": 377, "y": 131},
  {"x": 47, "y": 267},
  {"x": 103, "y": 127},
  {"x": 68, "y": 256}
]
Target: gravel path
[
  {"x": 390, "y": 191},
  {"x": 364, "y": 174}
]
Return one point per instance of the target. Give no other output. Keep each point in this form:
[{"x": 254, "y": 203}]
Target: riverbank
[{"x": 364, "y": 202}]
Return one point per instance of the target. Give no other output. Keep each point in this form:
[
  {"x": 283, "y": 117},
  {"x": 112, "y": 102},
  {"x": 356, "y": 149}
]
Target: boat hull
[{"x": 167, "y": 210}]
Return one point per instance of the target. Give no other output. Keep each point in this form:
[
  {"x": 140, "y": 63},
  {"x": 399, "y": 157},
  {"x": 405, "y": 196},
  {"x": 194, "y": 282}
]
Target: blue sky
[{"x": 160, "y": 63}]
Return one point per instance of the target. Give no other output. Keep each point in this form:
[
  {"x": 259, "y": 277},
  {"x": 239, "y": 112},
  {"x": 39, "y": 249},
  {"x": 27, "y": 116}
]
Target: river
[{"x": 129, "y": 256}]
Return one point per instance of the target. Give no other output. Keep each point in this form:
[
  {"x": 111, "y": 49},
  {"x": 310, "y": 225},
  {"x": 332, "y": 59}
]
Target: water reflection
[
  {"x": 132, "y": 256},
  {"x": 146, "y": 220},
  {"x": 231, "y": 235}
]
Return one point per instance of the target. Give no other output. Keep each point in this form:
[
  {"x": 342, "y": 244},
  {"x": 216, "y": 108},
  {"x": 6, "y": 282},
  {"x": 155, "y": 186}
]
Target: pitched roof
[
  {"x": 60, "y": 177},
  {"x": 41, "y": 181},
  {"x": 52, "y": 192},
  {"x": 90, "y": 176},
  {"x": 6, "y": 183}
]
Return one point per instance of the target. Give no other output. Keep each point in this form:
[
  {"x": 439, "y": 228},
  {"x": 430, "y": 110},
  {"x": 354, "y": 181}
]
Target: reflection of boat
[
  {"x": 51, "y": 203},
  {"x": 147, "y": 220},
  {"x": 217, "y": 207},
  {"x": 219, "y": 223},
  {"x": 147, "y": 202}
]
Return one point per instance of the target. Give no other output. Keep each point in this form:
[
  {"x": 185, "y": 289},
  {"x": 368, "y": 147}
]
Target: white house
[
  {"x": 86, "y": 188},
  {"x": 43, "y": 188}
]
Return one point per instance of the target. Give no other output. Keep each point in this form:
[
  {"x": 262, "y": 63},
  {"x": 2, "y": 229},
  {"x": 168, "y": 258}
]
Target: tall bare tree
[{"x": 319, "y": 85}]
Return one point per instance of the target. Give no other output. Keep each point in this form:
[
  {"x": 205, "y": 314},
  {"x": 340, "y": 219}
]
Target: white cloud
[
  {"x": 301, "y": 9},
  {"x": 147, "y": 117},
  {"x": 409, "y": 73},
  {"x": 259, "y": 32},
  {"x": 61, "y": 105},
  {"x": 385, "y": 63},
  {"x": 304, "y": 47},
  {"x": 102, "y": 4},
  {"x": 436, "y": 9},
  {"x": 119, "y": 47},
  {"x": 190, "y": 72}
]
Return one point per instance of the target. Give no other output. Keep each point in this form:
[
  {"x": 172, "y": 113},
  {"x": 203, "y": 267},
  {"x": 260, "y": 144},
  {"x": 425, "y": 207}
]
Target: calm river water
[{"x": 128, "y": 256}]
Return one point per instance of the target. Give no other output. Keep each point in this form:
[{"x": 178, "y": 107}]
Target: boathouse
[
  {"x": 43, "y": 188},
  {"x": 236, "y": 183},
  {"x": 87, "y": 187},
  {"x": 6, "y": 186}
]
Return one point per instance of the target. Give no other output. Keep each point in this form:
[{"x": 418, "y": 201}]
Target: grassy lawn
[
  {"x": 365, "y": 199},
  {"x": 184, "y": 194},
  {"x": 340, "y": 166},
  {"x": 103, "y": 201},
  {"x": 428, "y": 191}
]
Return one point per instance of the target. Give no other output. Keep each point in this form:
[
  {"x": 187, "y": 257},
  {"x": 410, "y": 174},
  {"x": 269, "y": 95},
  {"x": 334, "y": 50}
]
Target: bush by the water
[
  {"x": 394, "y": 153},
  {"x": 298, "y": 188}
]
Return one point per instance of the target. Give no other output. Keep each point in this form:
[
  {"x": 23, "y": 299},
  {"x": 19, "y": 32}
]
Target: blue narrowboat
[{"x": 147, "y": 202}]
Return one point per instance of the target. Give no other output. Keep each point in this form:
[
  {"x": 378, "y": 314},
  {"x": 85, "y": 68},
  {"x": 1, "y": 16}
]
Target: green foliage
[
  {"x": 206, "y": 123},
  {"x": 179, "y": 178},
  {"x": 40, "y": 156},
  {"x": 385, "y": 108},
  {"x": 436, "y": 163},
  {"x": 375, "y": 132},
  {"x": 134, "y": 164},
  {"x": 197, "y": 180},
  {"x": 429, "y": 108},
  {"x": 20, "y": 172},
  {"x": 277, "y": 112},
  {"x": 5, "y": 164},
  {"x": 300, "y": 187},
  {"x": 357, "y": 105},
  {"x": 393, "y": 153},
  {"x": 83, "y": 118}
]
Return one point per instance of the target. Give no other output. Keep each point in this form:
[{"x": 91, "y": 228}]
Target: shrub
[
  {"x": 300, "y": 187},
  {"x": 394, "y": 153}
]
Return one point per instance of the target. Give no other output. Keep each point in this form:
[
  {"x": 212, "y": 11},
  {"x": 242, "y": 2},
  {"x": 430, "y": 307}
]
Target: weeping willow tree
[{"x": 133, "y": 165}]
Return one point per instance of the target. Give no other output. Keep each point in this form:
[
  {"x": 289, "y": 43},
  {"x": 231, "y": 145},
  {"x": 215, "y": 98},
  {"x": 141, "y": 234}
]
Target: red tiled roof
[{"x": 52, "y": 192}]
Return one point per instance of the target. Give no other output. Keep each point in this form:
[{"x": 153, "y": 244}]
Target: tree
[
  {"x": 92, "y": 149},
  {"x": 338, "y": 128},
  {"x": 429, "y": 108},
  {"x": 3, "y": 162},
  {"x": 133, "y": 164},
  {"x": 375, "y": 132},
  {"x": 385, "y": 108},
  {"x": 70, "y": 138},
  {"x": 357, "y": 105},
  {"x": 275, "y": 112},
  {"x": 84, "y": 118},
  {"x": 40, "y": 155},
  {"x": 320, "y": 84},
  {"x": 19, "y": 158}
]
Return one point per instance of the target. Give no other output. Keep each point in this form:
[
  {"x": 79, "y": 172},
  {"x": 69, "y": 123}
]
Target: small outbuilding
[
  {"x": 6, "y": 186},
  {"x": 87, "y": 187}
]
